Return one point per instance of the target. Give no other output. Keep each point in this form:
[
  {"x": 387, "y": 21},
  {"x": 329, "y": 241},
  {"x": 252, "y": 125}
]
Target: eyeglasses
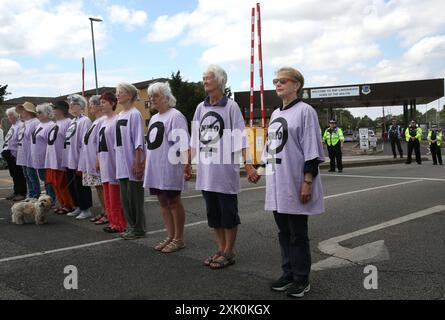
[
  {"x": 38, "y": 113},
  {"x": 282, "y": 81}
]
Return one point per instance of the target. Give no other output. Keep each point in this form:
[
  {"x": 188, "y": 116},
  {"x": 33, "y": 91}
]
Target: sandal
[
  {"x": 227, "y": 261},
  {"x": 161, "y": 245},
  {"x": 173, "y": 246},
  {"x": 63, "y": 211},
  {"x": 209, "y": 260},
  {"x": 97, "y": 218},
  {"x": 102, "y": 221}
]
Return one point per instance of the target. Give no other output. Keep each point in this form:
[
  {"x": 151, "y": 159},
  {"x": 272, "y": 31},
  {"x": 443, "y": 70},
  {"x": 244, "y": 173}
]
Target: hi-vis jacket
[
  {"x": 418, "y": 134},
  {"x": 332, "y": 138},
  {"x": 438, "y": 137}
]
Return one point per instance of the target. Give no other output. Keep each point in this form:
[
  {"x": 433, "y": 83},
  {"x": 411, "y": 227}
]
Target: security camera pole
[{"x": 94, "y": 50}]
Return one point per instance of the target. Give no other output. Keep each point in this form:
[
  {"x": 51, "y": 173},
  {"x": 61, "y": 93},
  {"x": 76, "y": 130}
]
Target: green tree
[
  {"x": 3, "y": 93},
  {"x": 188, "y": 94}
]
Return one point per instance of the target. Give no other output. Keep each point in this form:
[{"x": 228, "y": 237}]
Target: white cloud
[
  {"x": 341, "y": 37},
  {"x": 49, "y": 81},
  {"x": 130, "y": 18},
  {"x": 36, "y": 28},
  {"x": 9, "y": 67}
]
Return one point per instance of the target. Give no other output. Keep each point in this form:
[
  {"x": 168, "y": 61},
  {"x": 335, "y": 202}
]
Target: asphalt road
[{"x": 357, "y": 199}]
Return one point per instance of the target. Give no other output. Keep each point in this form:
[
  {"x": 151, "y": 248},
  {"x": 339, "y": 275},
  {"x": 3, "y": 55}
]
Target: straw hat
[{"x": 27, "y": 106}]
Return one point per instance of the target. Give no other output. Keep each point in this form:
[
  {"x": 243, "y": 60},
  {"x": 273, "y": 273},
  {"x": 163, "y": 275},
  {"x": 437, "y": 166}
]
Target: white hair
[
  {"x": 78, "y": 99},
  {"x": 46, "y": 109},
  {"x": 95, "y": 100},
  {"x": 164, "y": 89},
  {"x": 11, "y": 111},
  {"x": 219, "y": 74},
  {"x": 131, "y": 89}
]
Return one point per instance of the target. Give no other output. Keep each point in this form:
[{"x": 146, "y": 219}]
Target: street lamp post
[{"x": 94, "y": 51}]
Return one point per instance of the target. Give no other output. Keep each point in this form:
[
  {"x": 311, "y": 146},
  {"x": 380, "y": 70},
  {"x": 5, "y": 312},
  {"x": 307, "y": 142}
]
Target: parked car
[{"x": 349, "y": 136}]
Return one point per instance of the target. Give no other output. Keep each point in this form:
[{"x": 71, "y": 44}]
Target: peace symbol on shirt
[
  {"x": 211, "y": 128},
  {"x": 277, "y": 136}
]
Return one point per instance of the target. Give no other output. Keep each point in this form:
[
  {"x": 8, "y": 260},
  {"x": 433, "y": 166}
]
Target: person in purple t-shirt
[
  {"x": 9, "y": 153},
  {"x": 39, "y": 144},
  {"x": 293, "y": 185},
  {"x": 55, "y": 172},
  {"x": 88, "y": 156},
  {"x": 130, "y": 160},
  {"x": 27, "y": 113},
  {"x": 107, "y": 165},
  {"x": 167, "y": 154},
  {"x": 218, "y": 140},
  {"x": 79, "y": 125}
]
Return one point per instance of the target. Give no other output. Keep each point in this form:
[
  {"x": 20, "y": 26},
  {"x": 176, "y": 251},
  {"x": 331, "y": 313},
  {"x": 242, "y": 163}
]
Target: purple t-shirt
[
  {"x": 129, "y": 138},
  {"x": 73, "y": 141},
  {"x": 107, "y": 153},
  {"x": 39, "y": 143},
  {"x": 24, "y": 157},
  {"x": 293, "y": 138},
  {"x": 166, "y": 139},
  {"x": 218, "y": 136},
  {"x": 56, "y": 140},
  {"x": 11, "y": 139},
  {"x": 88, "y": 153}
]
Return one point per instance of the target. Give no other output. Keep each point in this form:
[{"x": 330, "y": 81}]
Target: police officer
[
  {"x": 395, "y": 136},
  {"x": 435, "y": 141},
  {"x": 334, "y": 139},
  {"x": 413, "y": 136}
]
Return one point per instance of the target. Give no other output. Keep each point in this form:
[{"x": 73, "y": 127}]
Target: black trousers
[
  {"x": 81, "y": 195},
  {"x": 16, "y": 173},
  {"x": 414, "y": 145},
  {"x": 395, "y": 142},
  {"x": 336, "y": 156},
  {"x": 294, "y": 243},
  {"x": 436, "y": 152}
]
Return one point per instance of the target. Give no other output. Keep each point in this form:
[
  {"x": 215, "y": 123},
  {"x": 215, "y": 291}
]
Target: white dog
[{"x": 31, "y": 212}]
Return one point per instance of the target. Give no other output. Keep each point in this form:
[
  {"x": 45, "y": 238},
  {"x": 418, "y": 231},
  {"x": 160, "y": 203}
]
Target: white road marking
[
  {"x": 370, "y": 189},
  {"x": 87, "y": 245},
  {"x": 188, "y": 225},
  {"x": 368, "y": 253},
  {"x": 383, "y": 177}
]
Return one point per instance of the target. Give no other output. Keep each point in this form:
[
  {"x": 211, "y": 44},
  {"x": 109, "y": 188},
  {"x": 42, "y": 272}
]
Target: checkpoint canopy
[{"x": 408, "y": 94}]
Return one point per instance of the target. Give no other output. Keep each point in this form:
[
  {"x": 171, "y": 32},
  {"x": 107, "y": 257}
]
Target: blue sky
[{"x": 332, "y": 43}]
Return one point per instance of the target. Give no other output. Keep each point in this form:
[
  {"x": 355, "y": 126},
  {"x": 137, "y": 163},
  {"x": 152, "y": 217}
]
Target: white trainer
[
  {"x": 74, "y": 213},
  {"x": 84, "y": 215}
]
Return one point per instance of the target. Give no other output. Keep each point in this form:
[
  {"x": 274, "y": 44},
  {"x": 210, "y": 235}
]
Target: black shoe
[
  {"x": 419, "y": 163},
  {"x": 395, "y": 157},
  {"x": 110, "y": 230},
  {"x": 401, "y": 157},
  {"x": 434, "y": 164},
  {"x": 298, "y": 289},
  {"x": 407, "y": 162},
  {"x": 340, "y": 171},
  {"x": 11, "y": 197},
  {"x": 331, "y": 170},
  {"x": 281, "y": 284}
]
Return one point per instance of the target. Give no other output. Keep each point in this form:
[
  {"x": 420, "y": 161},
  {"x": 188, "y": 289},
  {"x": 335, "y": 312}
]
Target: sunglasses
[{"x": 282, "y": 81}]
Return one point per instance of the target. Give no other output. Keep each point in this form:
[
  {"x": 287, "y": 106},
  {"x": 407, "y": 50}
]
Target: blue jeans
[
  {"x": 32, "y": 181},
  {"x": 48, "y": 188}
]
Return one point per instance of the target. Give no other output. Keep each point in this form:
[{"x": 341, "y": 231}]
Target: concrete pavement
[{"x": 358, "y": 199}]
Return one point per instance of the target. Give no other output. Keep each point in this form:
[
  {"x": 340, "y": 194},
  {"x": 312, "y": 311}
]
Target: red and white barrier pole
[
  {"x": 252, "y": 68},
  {"x": 260, "y": 54}
]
